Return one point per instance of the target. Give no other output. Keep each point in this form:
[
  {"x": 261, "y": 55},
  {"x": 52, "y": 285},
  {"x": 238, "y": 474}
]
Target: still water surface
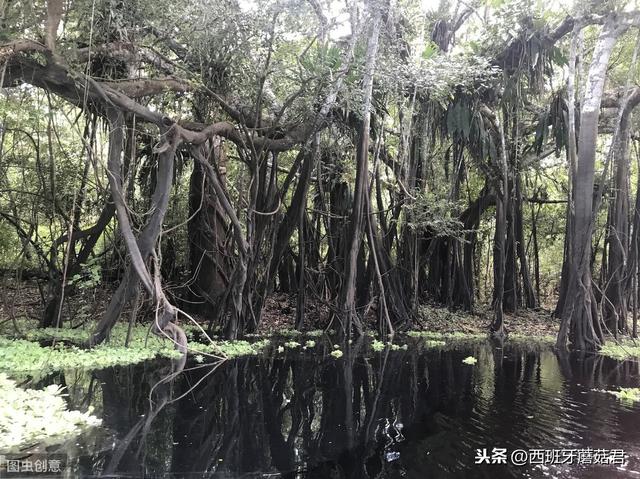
[{"x": 419, "y": 413}]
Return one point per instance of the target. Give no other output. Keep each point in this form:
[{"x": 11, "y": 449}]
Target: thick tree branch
[{"x": 78, "y": 89}]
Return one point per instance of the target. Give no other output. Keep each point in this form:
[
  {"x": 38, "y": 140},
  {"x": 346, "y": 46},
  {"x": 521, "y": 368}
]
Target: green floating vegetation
[
  {"x": 310, "y": 344},
  {"x": 434, "y": 343},
  {"x": 457, "y": 335},
  {"x": 30, "y": 416},
  {"x": 231, "y": 349},
  {"x": 470, "y": 360},
  {"x": 545, "y": 339},
  {"x": 292, "y": 344},
  {"x": 60, "y": 334},
  {"x": 378, "y": 345},
  {"x": 21, "y": 356},
  {"x": 627, "y": 395},
  {"x": 294, "y": 333},
  {"x": 288, "y": 333},
  {"x": 465, "y": 336},
  {"x": 336, "y": 353},
  {"x": 623, "y": 349},
  {"x": 26, "y": 355},
  {"x": 425, "y": 334},
  {"x": 140, "y": 336}
]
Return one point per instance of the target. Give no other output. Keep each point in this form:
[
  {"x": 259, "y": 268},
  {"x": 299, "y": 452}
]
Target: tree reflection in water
[{"x": 401, "y": 413}]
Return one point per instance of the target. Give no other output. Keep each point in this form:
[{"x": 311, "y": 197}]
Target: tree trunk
[
  {"x": 572, "y": 160},
  {"x": 617, "y": 286},
  {"x": 141, "y": 248},
  {"x": 347, "y": 300},
  {"x": 500, "y": 238},
  {"x": 580, "y": 322},
  {"x": 207, "y": 228}
]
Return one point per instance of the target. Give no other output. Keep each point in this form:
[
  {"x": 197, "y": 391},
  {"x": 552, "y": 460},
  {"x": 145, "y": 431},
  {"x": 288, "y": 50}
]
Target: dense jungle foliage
[{"x": 190, "y": 160}]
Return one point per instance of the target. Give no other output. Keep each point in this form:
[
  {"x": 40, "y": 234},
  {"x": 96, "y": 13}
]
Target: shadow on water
[{"x": 418, "y": 413}]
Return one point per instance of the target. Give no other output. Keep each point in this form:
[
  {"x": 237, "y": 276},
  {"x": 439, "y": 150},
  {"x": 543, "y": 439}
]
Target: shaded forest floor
[
  {"x": 524, "y": 322},
  {"x": 24, "y": 300}
]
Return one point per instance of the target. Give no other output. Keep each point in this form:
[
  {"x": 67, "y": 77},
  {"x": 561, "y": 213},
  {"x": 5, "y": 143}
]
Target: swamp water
[{"x": 415, "y": 413}]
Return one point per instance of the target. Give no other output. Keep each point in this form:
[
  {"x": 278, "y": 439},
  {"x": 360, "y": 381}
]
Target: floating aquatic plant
[
  {"x": 336, "y": 353},
  {"x": 19, "y": 355},
  {"x": 425, "y": 334},
  {"x": 455, "y": 335},
  {"x": 627, "y": 395},
  {"x": 232, "y": 349},
  {"x": 470, "y": 360},
  {"x": 529, "y": 339},
  {"x": 623, "y": 349},
  {"x": 289, "y": 333},
  {"x": 377, "y": 345},
  {"x": 29, "y": 416}
]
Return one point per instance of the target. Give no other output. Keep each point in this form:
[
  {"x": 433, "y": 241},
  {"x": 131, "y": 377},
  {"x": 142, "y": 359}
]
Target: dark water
[{"x": 420, "y": 413}]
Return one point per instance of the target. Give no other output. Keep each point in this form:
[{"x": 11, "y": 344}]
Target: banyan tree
[{"x": 362, "y": 162}]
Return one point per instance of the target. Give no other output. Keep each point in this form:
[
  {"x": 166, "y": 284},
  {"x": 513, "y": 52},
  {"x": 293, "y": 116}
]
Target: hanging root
[{"x": 166, "y": 313}]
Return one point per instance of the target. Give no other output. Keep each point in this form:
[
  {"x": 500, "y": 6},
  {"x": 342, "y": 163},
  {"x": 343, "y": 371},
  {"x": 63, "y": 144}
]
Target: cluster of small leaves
[
  {"x": 294, "y": 333},
  {"x": 377, "y": 346},
  {"x": 441, "y": 75},
  {"x": 439, "y": 337},
  {"x": 527, "y": 339},
  {"x": 29, "y": 416},
  {"x": 470, "y": 360},
  {"x": 623, "y": 349},
  {"x": 438, "y": 216},
  {"x": 90, "y": 275},
  {"x": 510, "y": 19},
  {"x": 627, "y": 395},
  {"x": 233, "y": 349},
  {"x": 336, "y": 353}
]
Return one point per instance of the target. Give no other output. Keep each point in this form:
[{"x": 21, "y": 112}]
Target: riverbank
[
  {"x": 527, "y": 323},
  {"x": 279, "y": 309},
  {"x": 22, "y": 303},
  {"x": 23, "y": 300}
]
